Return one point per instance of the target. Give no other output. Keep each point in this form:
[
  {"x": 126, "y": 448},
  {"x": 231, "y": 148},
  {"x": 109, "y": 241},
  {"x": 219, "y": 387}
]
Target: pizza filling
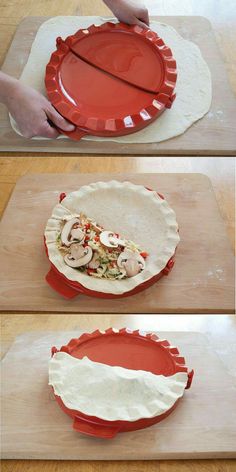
[{"x": 87, "y": 247}]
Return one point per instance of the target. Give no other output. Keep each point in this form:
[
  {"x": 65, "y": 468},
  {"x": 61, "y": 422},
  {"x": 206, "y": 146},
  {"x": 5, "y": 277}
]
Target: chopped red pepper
[
  {"x": 90, "y": 271},
  {"x": 62, "y": 196},
  {"x": 144, "y": 254},
  {"x": 96, "y": 238},
  {"x": 87, "y": 226}
]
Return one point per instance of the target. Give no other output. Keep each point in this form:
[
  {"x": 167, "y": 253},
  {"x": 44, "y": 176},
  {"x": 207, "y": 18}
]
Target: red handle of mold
[
  {"x": 94, "y": 429},
  {"x": 56, "y": 283},
  {"x": 76, "y": 134},
  {"x": 54, "y": 350},
  {"x": 190, "y": 378},
  {"x": 169, "y": 266}
]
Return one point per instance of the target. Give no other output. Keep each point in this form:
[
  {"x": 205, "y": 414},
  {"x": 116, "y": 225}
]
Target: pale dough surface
[
  {"x": 193, "y": 88},
  {"x": 111, "y": 392},
  {"x": 125, "y": 208}
]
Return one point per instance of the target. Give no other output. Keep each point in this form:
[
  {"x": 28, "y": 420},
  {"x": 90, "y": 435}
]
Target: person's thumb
[
  {"x": 141, "y": 23},
  {"x": 59, "y": 121},
  {"x": 144, "y": 16}
]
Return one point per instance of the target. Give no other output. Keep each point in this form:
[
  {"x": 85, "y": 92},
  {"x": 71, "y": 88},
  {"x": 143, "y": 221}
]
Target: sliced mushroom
[
  {"x": 67, "y": 230},
  {"x": 96, "y": 227},
  {"x": 77, "y": 233},
  {"x": 117, "y": 241},
  {"x": 80, "y": 261},
  {"x": 132, "y": 267},
  {"x": 94, "y": 263},
  {"x": 131, "y": 261},
  {"x": 77, "y": 251},
  {"x": 108, "y": 239},
  {"x": 124, "y": 256}
]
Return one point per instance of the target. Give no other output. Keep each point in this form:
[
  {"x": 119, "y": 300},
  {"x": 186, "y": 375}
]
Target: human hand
[
  {"x": 129, "y": 11},
  {"x": 33, "y": 113}
]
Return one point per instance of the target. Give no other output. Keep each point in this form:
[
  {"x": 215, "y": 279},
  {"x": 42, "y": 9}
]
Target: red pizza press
[
  {"x": 130, "y": 349},
  {"x": 111, "y": 80}
]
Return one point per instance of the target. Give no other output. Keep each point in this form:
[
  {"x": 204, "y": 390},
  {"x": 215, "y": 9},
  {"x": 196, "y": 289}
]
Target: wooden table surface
[
  {"x": 196, "y": 285},
  {"x": 221, "y": 171},
  {"x": 213, "y": 135}
]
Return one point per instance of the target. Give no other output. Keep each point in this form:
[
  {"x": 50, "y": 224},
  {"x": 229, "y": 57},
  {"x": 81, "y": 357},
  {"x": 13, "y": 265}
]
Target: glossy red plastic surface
[
  {"x": 111, "y": 80},
  {"x": 70, "y": 289},
  {"x": 142, "y": 64},
  {"x": 129, "y": 349}
]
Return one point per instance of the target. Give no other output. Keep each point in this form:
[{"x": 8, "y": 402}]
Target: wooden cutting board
[
  {"x": 34, "y": 427},
  {"x": 201, "y": 281},
  {"x": 212, "y": 135}
]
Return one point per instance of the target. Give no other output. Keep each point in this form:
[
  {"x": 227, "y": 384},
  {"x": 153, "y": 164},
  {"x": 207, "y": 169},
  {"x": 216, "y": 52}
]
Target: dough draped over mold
[{"x": 112, "y": 392}]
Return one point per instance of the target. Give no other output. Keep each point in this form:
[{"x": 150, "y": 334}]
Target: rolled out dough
[
  {"x": 111, "y": 392},
  {"x": 131, "y": 210},
  {"x": 193, "y": 88}
]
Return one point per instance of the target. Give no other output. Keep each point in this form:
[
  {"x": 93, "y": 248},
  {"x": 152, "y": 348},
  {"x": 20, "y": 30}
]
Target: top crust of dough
[{"x": 113, "y": 393}]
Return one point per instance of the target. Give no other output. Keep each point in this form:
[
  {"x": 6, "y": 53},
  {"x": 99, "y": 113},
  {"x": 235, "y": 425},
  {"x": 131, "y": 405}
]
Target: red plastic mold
[
  {"x": 111, "y": 80},
  {"x": 70, "y": 289},
  {"x": 132, "y": 350}
]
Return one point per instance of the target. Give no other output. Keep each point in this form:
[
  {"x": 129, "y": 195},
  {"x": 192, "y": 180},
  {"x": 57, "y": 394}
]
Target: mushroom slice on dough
[
  {"x": 108, "y": 239},
  {"x": 77, "y": 251},
  {"x": 131, "y": 261},
  {"x": 113, "y": 393},
  {"x": 73, "y": 233},
  {"x": 95, "y": 262},
  {"x": 78, "y": 256},
  {"x": 77, "y": 233},
  {"x": 96, "y": 227}
]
